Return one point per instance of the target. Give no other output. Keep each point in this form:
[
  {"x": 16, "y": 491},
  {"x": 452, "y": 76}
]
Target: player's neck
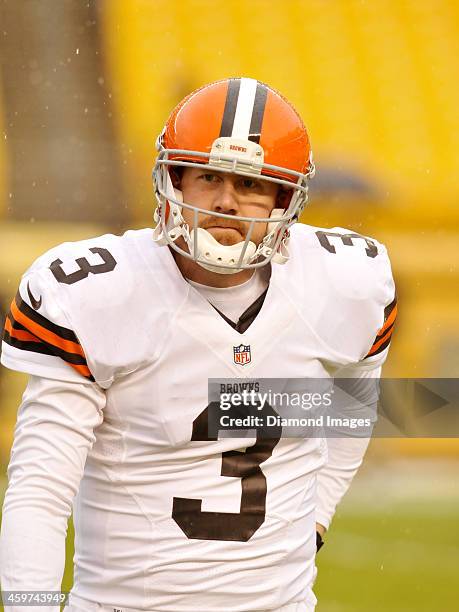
[{"x": 193, "y": 271}]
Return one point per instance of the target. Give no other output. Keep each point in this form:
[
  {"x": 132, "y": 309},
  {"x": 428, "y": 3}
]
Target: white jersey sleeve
[
  {"x": 38, "y": 338},
  {"x": 77, "y": 316},
  {"x": 350, "y": 302},
  {"x": 348, "y": 293},
  {"x": 367, "y": 285},
  {"x": 47, "y": 461},
  {"x": 43, "y": 332},
  {"x": 344, "y": 454}
]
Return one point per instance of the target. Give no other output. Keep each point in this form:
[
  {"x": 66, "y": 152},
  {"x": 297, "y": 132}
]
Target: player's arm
[
  {"x": 61, "y": 407},
  {"x": 345, "y": 454},
  {"x": 364, "y": 273},
  {"x": 53, "y": 434}
]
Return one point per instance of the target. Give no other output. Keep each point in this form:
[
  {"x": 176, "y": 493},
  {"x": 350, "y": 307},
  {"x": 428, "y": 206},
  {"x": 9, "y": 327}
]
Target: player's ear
[
  {"x": 176, "y": 177},
  {"x": 283, "y": 197}
]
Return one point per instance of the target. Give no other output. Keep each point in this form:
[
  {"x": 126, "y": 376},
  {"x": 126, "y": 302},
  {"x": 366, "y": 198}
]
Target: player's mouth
[
  {"x": 226, "y": 235},
  {"x": 218, "y": 228},
  {"x": 232, "y": 228}
]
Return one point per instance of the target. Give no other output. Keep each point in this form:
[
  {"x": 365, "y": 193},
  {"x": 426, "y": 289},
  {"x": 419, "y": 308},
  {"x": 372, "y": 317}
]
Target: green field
[
  {"x": 398, "y": 562},
  {"x": 394, "y": 544}
]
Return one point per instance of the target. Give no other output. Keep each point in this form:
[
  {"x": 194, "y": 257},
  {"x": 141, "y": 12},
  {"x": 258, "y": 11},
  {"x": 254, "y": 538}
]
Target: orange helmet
[{"x": 235, "y": 125}]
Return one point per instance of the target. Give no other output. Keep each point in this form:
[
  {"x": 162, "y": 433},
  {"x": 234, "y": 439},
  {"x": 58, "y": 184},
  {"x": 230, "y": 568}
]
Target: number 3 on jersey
[
  {"x": 85, "y": 268},
  {"x": 348, "y": 240},
  {"x": 229, "y": 526}
]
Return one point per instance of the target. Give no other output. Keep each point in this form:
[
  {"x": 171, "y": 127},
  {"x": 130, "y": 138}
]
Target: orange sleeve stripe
[
  {"x": 390, "y": 319},
  {"x": 19, "y": 333},
  {"x": 45, "y": 334},
  {"x": 377, "y": 344}
]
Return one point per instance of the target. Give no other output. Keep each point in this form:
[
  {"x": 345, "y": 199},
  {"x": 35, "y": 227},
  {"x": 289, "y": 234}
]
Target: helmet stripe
[
  {"x": 258, "y": 112},
  {"x": 229, "y": 112},
  {"x": 244, "y": 109}
]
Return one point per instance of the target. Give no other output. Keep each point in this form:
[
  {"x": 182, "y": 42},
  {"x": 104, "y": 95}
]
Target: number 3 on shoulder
[
  {"x": 348, "y": 240},
  {"x": 85, "y": 268}
]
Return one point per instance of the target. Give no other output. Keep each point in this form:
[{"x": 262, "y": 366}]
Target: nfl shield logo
[{"x": 242, "y": 354}]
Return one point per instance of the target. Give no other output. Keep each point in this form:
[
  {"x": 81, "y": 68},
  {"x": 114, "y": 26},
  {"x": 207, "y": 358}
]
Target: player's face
[{"x": 230, "y": 194}]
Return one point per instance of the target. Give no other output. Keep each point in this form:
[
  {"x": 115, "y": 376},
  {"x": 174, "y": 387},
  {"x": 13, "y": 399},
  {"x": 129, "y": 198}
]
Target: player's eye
[
  {"x": 209, "y": 178},
  {"x": 248, "y": 183}
]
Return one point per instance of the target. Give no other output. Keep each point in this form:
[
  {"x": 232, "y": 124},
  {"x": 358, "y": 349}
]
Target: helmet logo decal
[{"x": 238, "y": 148}]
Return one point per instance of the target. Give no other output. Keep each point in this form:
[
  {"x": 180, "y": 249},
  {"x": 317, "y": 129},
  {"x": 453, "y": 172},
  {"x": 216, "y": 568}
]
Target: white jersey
[{"x": 166, "y": 520}]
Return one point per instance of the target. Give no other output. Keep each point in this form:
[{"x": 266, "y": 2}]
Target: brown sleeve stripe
[
  {"x": 388, "y": 309},
  {"x": 383, "y": 336},
  {"x": 389, "y": 321},
  {"x": 29, "y": 342},
  {"x": 19, "y": 335},
  {"x": 44, "y": 329},
  {"x": 383, "y": 347},
  {"x": 44, "y": 349},
  {"x": 24, "y": 340},
  {"x": 16, "y": 339},
  {"x": 376, "y": 348}
]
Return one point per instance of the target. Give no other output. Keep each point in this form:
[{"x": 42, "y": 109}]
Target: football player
[{"x": 120, "y": 335}]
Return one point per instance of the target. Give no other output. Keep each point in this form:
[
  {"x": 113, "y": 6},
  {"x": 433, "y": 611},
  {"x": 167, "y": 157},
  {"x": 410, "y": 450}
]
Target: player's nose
[{"x": 226, "y": 199}]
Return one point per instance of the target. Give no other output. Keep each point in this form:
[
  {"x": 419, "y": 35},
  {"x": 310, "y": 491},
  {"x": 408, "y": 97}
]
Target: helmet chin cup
[{"x": 216, "y": 257}]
